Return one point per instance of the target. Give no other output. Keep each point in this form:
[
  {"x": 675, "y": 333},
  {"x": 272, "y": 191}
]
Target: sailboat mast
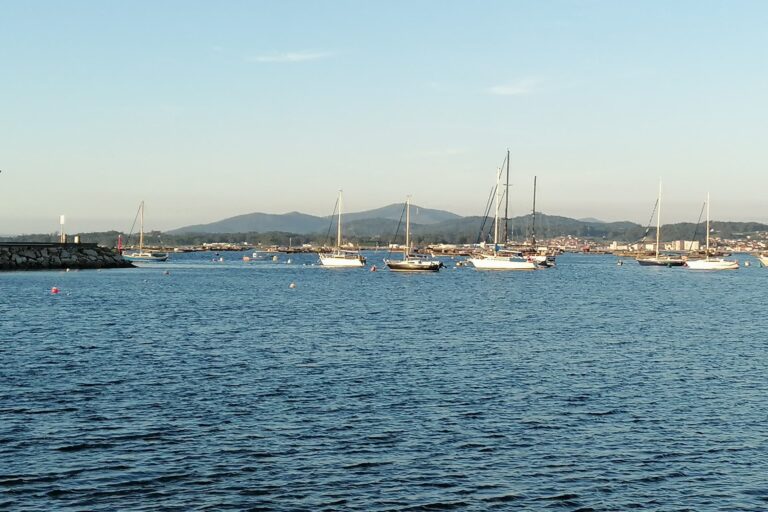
[
  {"x": 707, "y": 226},
  {"x": 506, "y": 205},
  {"x": 407, "y": 225},
  {"x": 338, "y": 228},
  {"x": 496, "y": 213},
  {"x": 141, "y": 230},
  {"x": 533, "y": 216},
  {"x": 658, "y": 223}
]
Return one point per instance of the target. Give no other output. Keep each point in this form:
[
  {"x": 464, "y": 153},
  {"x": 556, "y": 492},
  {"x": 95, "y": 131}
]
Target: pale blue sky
[{"x": 211, "y": 109}]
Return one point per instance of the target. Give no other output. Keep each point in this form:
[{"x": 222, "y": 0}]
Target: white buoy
[
  {"x": 746, "y": 263},
  {"x": 292, "y": 285}
]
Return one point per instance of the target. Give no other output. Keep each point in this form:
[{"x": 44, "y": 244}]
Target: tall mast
[
  {"x": 338, "y": 228},
  {"x": 506, "y": 206},
  {"x": 533, "y": 216},
  {"x": 707, "y": 225},
  {"x": 658, "y": 223},
  {"x": 407, "y": 225},
  {"x": 141, "y": 231},
  {"x": 496, "y": 212}
]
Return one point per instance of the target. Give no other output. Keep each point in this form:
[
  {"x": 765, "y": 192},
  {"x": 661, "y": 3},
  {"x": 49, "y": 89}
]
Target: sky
[{"x": 207, "y": 110}]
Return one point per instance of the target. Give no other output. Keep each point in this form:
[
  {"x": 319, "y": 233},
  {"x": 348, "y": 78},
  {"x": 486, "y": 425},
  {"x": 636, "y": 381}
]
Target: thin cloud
[
  {"x": 290, "y": 57},
  {"x": 519, "y": 88}
]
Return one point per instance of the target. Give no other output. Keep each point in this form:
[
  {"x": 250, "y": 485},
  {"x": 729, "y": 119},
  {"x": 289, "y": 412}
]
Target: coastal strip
[{"x": 52, "y": 256}]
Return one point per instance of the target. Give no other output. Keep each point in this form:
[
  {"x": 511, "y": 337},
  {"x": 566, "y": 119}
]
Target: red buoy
[{"x": 54, "y": 290}]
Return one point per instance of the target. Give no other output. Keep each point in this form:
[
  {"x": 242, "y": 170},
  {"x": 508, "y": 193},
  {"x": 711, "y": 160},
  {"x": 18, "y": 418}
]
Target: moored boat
[
  {"x": 412, "y": 262},
  {"x": 709, "y": 263},
  {"x": 141, "y": 254},
  {"x": 341, "y": 258},
  {"x": 502, "y": 261},
  {"x": 660, "y": 260},
  {"x": 496, "y": 258}
]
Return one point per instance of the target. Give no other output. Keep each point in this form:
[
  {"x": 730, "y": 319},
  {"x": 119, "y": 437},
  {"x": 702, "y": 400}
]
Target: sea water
[{"x": 200, "y": 384}]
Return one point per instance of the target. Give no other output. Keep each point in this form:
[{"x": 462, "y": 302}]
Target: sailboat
[
  {"x": 711, "y": 263},
  {"x": 412, "y": 262},
  {"x": 341, "y": 258},
  {"x": 660, "y": 259},
  {"x": 497, "y": 259},
  {"x": 143, "y": 255},
  {"x": 544, "y": 259}
]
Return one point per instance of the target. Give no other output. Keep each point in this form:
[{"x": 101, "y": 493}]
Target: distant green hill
[{"x": 301, "y": 223}]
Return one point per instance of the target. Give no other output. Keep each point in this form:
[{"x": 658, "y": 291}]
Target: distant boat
[
  {"x": 660, "y": 260},
  {"x": 261, "y": 255},
  {"x": 412, "y": 262},
  {"x": 143, "y": 255},
  {"x": 763, "y": 259},
  {"x": 546, "y": 258},
  {"x": 341, "y": 258},
  {"x": 497, "y": 259},
  {"x": 711, "y": 263}
]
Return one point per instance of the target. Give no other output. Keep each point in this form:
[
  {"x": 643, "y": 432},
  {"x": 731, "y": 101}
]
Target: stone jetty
[{"x": 51, "y": 256}]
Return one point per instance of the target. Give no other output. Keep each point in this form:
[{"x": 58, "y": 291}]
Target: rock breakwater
[{"x": 33, "y": 256}]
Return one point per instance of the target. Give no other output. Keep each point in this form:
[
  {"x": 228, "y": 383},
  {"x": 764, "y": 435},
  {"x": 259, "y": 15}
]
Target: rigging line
[
  {"x": 486, "y": 214},
  {"x": 130, "y": 233},
  {"x": 394, "y": 239},
  {"x": 333, "y": 215},
  {"x": 650, "y": 221},
  {"x": 505, "y": 197},
  {"x": 696, "y": 229}
]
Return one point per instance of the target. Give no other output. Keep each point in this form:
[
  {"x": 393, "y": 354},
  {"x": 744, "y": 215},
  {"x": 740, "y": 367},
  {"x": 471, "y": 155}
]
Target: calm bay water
[{"x": 590, "y": 386}]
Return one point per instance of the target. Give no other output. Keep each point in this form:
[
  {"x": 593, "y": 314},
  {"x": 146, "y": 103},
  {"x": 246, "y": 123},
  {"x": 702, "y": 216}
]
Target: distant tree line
[{"x": 466, "y": 230}]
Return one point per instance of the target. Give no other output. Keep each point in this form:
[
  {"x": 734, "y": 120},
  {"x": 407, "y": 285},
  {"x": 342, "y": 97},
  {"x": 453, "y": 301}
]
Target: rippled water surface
[{"x": 590, "y": 386}]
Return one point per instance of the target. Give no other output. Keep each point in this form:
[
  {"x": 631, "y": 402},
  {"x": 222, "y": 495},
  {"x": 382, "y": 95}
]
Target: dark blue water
[{"x": 586, "y": 387}]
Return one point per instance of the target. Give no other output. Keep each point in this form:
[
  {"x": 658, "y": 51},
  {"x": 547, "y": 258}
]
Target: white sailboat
[
  {"x": 341, "y": 258},
  {"x": 412, "y": 262},
  {"x": 711, "y": 263},
  {"x": 498, "y": 259},
  {"x": 660, "y": 260},
  {"x": 143, "y": 255},
  {"x": 544, "y": 258}
]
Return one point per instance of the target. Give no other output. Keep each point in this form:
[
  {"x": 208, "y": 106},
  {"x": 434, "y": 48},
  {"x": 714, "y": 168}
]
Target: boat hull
[
  {"x": 502, "y": 263},
  {"x": 661, "y": 262},
  {"x": 763, "y": 260},
  {"x": 145, "y": 256},
  {"x": 545, "y": 261},
  {"x": 716, "y": 264},
  {"x": 341, "y": 262},
  {"x": 413, "y": 265}
]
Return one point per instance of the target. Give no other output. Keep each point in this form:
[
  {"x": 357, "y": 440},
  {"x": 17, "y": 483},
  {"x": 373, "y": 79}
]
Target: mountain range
[
  {"x": 440, "y": 225},
  {"x": 303, "y": 224}
]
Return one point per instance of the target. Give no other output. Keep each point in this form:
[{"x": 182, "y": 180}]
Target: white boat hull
[
  {"x": 763, "y": 260},
  {"x": 145, "y": 256},
  {"x": 341, "y": 262},
  {"x": 712, "y": 264},
  {"x": 502, "y": 263}
]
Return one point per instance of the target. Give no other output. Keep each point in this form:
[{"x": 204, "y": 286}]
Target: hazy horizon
[
  {"x": 272, "y": 107},
  {"x": 72, "y": 225}
]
